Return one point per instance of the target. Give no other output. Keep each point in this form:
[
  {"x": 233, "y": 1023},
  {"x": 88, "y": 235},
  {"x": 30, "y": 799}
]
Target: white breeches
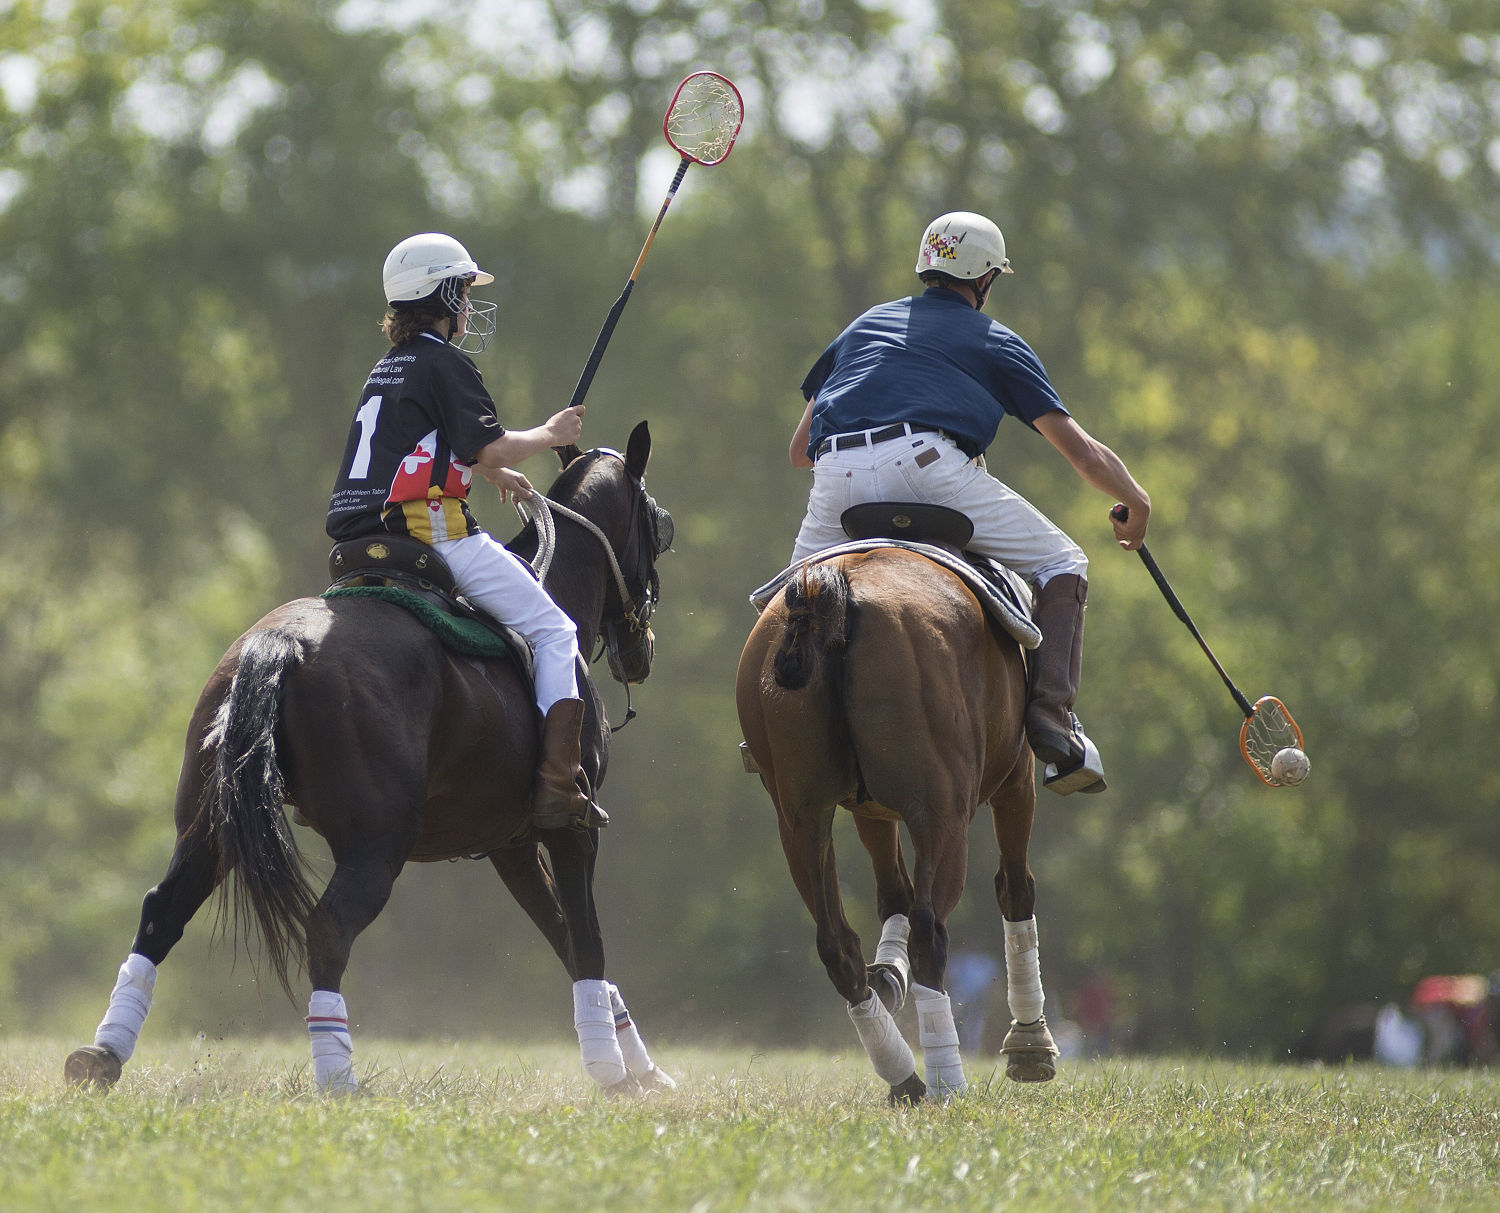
[
  {"x": 930, "y": 468},
  {"x": 500, "y": 582}
]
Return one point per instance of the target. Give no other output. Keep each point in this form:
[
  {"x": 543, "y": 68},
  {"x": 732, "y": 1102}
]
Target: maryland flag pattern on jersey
[{"x": 429, "y": 508}]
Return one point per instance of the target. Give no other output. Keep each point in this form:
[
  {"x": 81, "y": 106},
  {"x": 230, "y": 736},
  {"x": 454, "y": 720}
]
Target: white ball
[{"x": 1290, "y": 766}]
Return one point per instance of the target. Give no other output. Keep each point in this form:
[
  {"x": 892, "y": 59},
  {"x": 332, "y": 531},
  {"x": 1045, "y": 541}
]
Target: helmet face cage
[
  {"x": 478, "y": 318},
  {"x": 434, "y": 268}
]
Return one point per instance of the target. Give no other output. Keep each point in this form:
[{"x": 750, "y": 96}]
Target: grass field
[{"x": 210, "y": 1125}]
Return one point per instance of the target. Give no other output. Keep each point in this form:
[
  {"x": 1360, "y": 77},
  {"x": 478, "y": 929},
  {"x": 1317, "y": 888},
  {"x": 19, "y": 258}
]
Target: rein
[{"x": 546, "y": 529}]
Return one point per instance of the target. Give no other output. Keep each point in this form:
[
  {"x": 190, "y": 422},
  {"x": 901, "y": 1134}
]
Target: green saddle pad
[{"x": 466, "y": 636}]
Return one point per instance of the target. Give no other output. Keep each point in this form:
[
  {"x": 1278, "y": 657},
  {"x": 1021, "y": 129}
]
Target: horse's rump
[
  {"x": 380, "y": 714},
  {"x": 869, "y": 664}
]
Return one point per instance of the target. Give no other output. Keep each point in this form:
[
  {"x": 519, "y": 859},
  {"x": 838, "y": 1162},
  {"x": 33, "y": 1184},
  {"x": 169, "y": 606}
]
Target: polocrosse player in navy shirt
[{"x": 901, "y": 407}]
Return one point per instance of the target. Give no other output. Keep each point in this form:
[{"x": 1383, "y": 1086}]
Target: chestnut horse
[
  {"x": 395, "y": 749},
  {"x": 875, "y": 682}
]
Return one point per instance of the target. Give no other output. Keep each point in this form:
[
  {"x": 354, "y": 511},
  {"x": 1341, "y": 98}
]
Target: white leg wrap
[
  {"x": 594, "y": 1021},
  {"x": 128, "y": 1003},
  {"x": 633, "y": 1048},
  {"x": 892, "y": 948},
  {"x": 889, "y": 1053},
  {"x": 1023, "y": 971},
  {"x": 938, "y": 1035},
  {"x": 332, "y": 1046}
]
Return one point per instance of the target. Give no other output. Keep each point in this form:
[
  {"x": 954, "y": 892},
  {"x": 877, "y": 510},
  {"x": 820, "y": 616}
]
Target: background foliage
[{"x": 1255, "y": 244}]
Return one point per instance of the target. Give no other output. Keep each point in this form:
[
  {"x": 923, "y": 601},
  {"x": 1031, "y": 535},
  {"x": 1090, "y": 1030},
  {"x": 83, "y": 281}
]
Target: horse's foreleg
[
  {"x": 527, "y": 878},
  {"x": 529, "y": 882},
  {"x": 165, "y": 912},
  {"x": 1030, "y": 1052},
  {"x": 355, "y": 895},
  {"x": 573, "y": 853},
  {"x": 633, "y": 1049}
]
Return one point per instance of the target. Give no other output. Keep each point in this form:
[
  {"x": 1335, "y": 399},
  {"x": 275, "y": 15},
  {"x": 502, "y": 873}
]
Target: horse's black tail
[
  {"x": 818, "y": 618},
  {"x": 242, "y": 803}
]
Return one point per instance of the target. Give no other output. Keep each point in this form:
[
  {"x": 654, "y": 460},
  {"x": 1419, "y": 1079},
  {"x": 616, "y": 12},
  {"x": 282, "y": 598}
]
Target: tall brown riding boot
[
  {"x": 1057, "y": 739},
  {"x": 1056, "y": 666},
  {"x": 557, "y": 798}
]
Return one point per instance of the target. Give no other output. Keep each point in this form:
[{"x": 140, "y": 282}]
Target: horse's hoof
[
  {"x": 909, "y": 1093},
  {"x": 1038, "y": 1067},
  {"x": 1030, "y": 1052},
  {"x": 656, "y": 1079},
  {"x": 93, "y": 1067},
  {"x": 892, "y": 990},
  {"x": 627, "y": 1086}
]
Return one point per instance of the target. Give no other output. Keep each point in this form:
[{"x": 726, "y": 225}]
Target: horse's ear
[
  {"x": 567, "y": 453},
  {"x": 637, "y": 451}
]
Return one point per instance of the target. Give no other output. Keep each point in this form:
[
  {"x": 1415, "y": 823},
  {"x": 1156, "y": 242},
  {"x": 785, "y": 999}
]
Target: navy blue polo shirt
[{"x": 930, "y": 359}]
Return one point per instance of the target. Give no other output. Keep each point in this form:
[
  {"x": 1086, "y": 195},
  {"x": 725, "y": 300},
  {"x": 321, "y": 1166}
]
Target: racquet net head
[
  {"x": 704, "y": 118},
  {"x": 1268, "y": 729}
]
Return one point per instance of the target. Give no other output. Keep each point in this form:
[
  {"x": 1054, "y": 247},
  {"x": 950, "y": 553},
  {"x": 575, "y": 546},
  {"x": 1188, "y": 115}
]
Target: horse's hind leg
[
  {"x": 360, "y": 887},
  {"x": 808, "y": 844},
  {"x": 531, "y": 884},
  {"x": 1030, "y": 1052},
  {"x": 890, "y": 972},
  {"x": 191, "y": 877},
  {"x": 942, "y": 854}
]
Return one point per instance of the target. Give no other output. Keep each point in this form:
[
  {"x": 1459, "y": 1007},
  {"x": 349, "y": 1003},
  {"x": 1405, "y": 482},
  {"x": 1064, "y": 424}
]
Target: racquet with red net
[
  {"x": 1269, "y": 727},
  {"x": 701, "y": 126}
]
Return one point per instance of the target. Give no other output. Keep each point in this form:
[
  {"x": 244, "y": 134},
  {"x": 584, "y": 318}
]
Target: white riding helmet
[
  {"x": 962, "y": 245},
  {"x": 432, "y": 263}
]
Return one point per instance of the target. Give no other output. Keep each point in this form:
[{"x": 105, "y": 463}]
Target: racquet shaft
[
  {"x": 596, "y": 355},
  {"x": 1122, "y": 512},
  {"x": 1181, "y": 612}
]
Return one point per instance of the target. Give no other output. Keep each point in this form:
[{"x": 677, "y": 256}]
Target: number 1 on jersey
[{"x": 368, "y": 412}]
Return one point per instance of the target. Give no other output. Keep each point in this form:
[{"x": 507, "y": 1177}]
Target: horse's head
[{"x": 611, "y": 490}]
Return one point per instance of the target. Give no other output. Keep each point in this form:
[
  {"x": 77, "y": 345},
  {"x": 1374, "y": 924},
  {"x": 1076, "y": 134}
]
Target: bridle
[{"x": 637, "y": 608}]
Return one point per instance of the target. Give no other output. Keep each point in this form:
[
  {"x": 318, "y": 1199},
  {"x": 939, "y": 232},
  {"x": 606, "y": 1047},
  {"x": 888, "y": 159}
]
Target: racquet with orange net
[
  {"x": 1270, "y": 739},
  {"x": 701, "y": 126}
]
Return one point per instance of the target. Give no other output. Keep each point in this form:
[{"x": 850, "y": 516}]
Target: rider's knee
[{"x": 1070, "y": 560}]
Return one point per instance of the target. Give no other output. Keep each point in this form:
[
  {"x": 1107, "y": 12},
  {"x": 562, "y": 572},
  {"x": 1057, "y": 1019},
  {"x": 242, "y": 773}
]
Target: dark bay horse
[
  {"x": 395, "y": 749},
  {"x": 875, "y": 683}
]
